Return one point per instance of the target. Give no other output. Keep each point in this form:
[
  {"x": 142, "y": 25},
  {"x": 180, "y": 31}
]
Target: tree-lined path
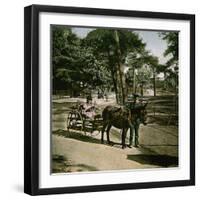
[{"x": 111, "y": 65}]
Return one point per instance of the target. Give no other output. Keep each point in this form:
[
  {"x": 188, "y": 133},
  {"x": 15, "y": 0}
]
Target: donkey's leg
[
  {"x": 108, "y": 132},
  {"x": 124, "y": 131},
  {"x": 131, "y": 135},
  {"x": 136, "y": 135},
  {"x": 102, "y": 132}
]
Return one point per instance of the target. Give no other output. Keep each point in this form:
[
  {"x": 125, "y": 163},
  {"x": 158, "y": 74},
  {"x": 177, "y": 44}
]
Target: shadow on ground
[
  {"x": 160, "y": 160},
  {"x": 84, "y": 138},
  {"x": 61, "y": 164},
  {"x": 77, "y": 136}
]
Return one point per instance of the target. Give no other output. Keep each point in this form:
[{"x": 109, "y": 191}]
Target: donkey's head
[
  {"x": 143, "y": 114},
  {"x": 139, "y": 113}
]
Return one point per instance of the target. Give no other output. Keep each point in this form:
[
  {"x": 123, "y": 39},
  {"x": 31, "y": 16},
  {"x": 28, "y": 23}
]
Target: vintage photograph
[{"x": 114, "y": 99}]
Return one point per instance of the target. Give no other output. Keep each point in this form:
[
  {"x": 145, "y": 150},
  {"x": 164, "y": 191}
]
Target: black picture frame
[{"x": 31, "y": 99}]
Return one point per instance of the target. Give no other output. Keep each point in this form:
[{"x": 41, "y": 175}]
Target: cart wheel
[
  {"x": 68, "y": 122},
  {"x": 75, "y": 121},
  {"x": 80, "y": 117}
]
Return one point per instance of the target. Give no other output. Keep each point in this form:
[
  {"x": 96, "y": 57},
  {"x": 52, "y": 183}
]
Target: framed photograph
[{"x": 109, "y": 99}]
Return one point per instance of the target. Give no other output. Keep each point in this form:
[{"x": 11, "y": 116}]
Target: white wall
[{"x": 11, "y": 101}]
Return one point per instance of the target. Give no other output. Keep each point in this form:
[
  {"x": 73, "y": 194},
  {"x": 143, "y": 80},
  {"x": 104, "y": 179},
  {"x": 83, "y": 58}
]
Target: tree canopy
[
  {"x": 109, "y": 59},
  {"x": 171, "y": 67}
]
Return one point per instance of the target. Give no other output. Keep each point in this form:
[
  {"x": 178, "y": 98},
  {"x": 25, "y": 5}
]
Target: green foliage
[
  {"x": 172, "y": 50},
  {"x": 172, "y": 41},
  {"x": 143, "y": 66},
  {"x": 171, "y": 67},
  {"x": 113, "y": 46},
  {"x": 74, "y": 63},
  {"x": 97, "y": 61},
  {"x": 144, "y": 75},
  {"x": 103, "y": 42}
]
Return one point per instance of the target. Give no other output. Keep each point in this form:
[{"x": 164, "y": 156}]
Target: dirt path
[
  {"x": 81, "y": 156},
  {"x": 76, "y": 152},
  {"x": 73, "y": 151}
]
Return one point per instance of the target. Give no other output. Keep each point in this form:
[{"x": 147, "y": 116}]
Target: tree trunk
[
  {"x": 116, "y": 88},
  {"x": 142, "y": 89},
  {"x": 122, "y": 83},
  {"x": 176, "y": 94},
  {"x": 114, "y": 78},
  {"x": 154, "y": 82},
  {"x": 120, "y": 71},
  {"x": 165, "y": 84},
  {"x": 134, "y": 85},
  {"x": 119, "y": 85}
]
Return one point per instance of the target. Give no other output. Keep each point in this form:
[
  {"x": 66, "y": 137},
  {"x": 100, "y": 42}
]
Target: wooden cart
[{"x": 76, "y": 120}]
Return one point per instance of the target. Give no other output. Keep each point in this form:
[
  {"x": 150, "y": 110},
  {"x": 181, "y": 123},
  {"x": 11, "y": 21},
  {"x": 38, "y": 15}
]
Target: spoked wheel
[{"x": 75, "y": 120}]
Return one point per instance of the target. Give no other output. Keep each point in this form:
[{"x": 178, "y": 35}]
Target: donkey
[{"x": 124, "y": 119}]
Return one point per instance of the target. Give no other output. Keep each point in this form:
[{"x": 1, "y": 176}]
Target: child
[{"x": 89, "y": 108}]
